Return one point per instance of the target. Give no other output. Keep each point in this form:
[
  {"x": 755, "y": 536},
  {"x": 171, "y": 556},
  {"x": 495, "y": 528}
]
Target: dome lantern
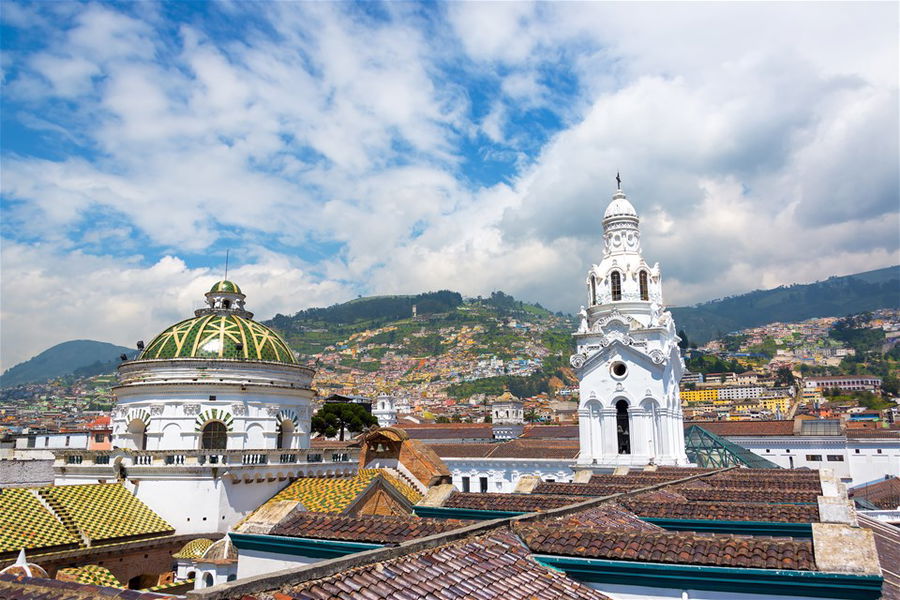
[{"x": 225, "y": 297}]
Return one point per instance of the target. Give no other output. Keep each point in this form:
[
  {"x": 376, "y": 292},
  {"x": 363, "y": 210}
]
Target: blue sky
[{"x": 339, "y": 149}]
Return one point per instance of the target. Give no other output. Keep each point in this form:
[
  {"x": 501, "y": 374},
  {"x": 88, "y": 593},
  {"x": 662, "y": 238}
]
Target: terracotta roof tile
[
  {"x": 491, "y": 567},
  {"x": 670, "y": 547},
  {"x": 551, "y": 449},
  {"x": 551, "y": 432},
  {"x": 584, "y": 489},
  {"x": 472, "y": 450},
  {"x": 761, "y": 494},
  {"x": 507, "y": 502},
  {"x": 724, "y": 511},
  {"x": 452, "y": 431},
  {"x": 883, "y": 494},
  {"x": 370, "y": 528},
  {"x": 608, "y": 516},
  {"x": 887, "y": 542}
]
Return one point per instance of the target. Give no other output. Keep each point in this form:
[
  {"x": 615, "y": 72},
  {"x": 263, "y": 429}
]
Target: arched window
[
  {"x": 138, "y": 431},
  {"x": 645, "y": 289},
  {"x": 623, "y": 435},
  {"x": 593, "y": 290},
  {"x": 615, "y": 285},
  {"x": 207, "y": 580},
  {"x": 285, "y": 430},
  {"x": 214, "y": 436}
]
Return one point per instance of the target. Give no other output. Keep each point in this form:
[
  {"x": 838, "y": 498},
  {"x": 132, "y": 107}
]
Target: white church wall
[
  {"x": 259, "y": 562},
  {"x": 503, "y": 475},
  {"x": 637, "y": 592}
]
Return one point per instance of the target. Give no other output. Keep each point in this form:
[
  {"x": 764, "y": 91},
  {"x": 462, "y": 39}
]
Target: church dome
[
  {"x": 23, "y": 568},
  {"x": 225, "y": 286},
  {"x": 219, "y": 336},
  {"x": 619, "y": 207},
  {"x": 223, "y": 330}
]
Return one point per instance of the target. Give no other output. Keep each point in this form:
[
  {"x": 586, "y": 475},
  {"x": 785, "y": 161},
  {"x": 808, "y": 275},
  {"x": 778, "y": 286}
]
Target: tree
[
  {"x": 442, "y": 419},
  {"x": 684, "y": 344},
  {"x": 784, "y": 377},
  {"x": 340, "y": 417}
]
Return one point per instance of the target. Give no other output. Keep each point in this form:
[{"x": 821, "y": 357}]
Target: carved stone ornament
[
  {"x": 657, "y": 357},
  {"x": 577, "y": 360},
  {"x": 620, "y": 387},
  {"x": 238, "y": 409},
  {"x": 273, "y": 411},
  {"x": 191, "y": 409},
  {"x": 156, "y": 410}
]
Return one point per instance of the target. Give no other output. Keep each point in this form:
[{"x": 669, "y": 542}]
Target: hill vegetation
[
  {"x": 834, "y": 297},
  {"x": 79, "y": 358}
]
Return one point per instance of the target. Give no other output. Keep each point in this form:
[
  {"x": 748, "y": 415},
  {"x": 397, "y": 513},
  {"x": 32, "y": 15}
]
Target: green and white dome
[{"x": 223, "y": 330}]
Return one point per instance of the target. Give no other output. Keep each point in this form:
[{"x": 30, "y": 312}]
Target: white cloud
[{"x": 757, "y": 149}]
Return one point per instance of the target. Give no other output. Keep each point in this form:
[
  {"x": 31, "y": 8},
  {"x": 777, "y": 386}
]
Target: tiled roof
[
  {"x": 774, "y": 481},
  {"x": 558, "y": 432},
  {"x": 450, "y": 431},
  {"x": 584, "y": 489},
  {"x": 548, "y": 449},
  {"x": 194, "y": 548},
  {"x": 526, "y": 449},
  {"x": 608, "y": 516},
  {"x": 334, "y": 494},
  {"x": 369, "y": 528},
  {"x": 760, "y": 494},
  {"x": 26, "y": 523},
  {"x": 725, "y": 511},
  {"x": 740, "y": 428},
  {"x": 472, "y": 450},
  {"x": 92, "y": 574},
  {"x": 635, "y": 479},
  {"x": 670, "y": 547},
  {"x": 883, "y": 494},
  {"x": 873, "y": 433},
  {"x": 508, "y": 502},
  {"x": 491, "y": 567},
  {"x": 28, "y": 588},
  {"x": 887, "y": 542},
  {"x": 104, "y": 511}
]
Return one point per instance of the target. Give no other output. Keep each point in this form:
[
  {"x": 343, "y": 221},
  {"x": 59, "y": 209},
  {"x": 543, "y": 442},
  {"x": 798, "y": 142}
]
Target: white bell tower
[
  {"x": 385, "y": 411},
  {"x": 627, "y": 356}
]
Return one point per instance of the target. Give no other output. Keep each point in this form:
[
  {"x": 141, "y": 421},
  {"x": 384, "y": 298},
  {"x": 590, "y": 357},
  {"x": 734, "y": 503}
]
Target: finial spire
[
  {"x": 618, "y": 181},
  {"x": 227, "y": 252}
]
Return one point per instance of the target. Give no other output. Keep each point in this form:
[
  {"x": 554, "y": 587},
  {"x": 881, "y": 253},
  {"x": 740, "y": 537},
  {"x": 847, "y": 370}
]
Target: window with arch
[
  {"x": 285, "y": 431},
  {"x": 615, "y": 285},
  {"x": 623, "y": 433},
  {"x": 645, "y": 287},
  {"x": 207, "y": 580},
  {"x": 593, "y": 290},
  {"x": 138, "y": 431},
  {"x": 214, "y": 436}
]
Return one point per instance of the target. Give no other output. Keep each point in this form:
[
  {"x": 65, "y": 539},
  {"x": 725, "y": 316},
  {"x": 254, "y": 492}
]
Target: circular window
[{"x": 619, "y": 369}]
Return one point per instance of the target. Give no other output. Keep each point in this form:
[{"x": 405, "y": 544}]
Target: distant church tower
[
  {"x": 385, "y": 411},
  {"x": 627, "y": 356}
]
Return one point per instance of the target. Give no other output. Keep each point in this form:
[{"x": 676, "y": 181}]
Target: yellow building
[
  {"x": 774, "y": 404},
  {"x": 707, "y": 395}
]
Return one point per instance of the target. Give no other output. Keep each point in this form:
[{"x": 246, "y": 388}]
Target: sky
[{"x": 346, "y": 149}]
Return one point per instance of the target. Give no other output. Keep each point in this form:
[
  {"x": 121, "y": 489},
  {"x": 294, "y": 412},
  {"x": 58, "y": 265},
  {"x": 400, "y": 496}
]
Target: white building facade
[
  {"x": 627, "y": 358},
  {"x": 212, "y": 419}
]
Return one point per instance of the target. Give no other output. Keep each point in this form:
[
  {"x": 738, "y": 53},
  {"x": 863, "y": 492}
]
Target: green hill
[
  {"x": 77, "y": 357},
  {"x": 834, "y": 297}
]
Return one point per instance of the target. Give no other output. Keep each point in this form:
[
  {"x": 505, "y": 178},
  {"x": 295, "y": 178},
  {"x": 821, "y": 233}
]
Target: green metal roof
[
  {"x": 706, "y": 449},
  {"x": 225, "y": 286},
  {"x": 219, "y": 336}
]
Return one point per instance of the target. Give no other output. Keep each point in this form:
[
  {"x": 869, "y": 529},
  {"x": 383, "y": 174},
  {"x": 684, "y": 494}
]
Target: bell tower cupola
[{"x": 627, "y": 357}]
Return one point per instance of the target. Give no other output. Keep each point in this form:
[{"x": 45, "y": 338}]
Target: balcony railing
[{"x": 195, "y": 458}]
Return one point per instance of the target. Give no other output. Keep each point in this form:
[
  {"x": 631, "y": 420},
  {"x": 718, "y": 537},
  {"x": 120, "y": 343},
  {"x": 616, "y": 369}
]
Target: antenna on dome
[
  {"x": 226, "y": 263},
  {"x": 618, "y": 181}
]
